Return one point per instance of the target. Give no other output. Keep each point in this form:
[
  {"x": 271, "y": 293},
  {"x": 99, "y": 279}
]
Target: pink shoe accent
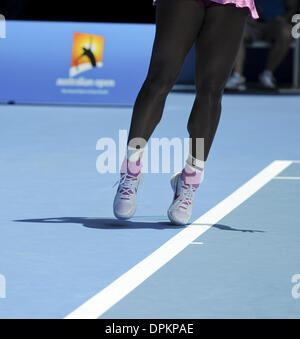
[
  {"x": 131, "y": 167},
  {"x": 125, "y": 188},
  {"x": 190, "y": 177}
]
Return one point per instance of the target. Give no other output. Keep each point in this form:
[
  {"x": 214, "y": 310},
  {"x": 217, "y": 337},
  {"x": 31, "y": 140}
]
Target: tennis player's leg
[
  {"x": 178, "y": 23},
  {"x": 217, "y": 46}
]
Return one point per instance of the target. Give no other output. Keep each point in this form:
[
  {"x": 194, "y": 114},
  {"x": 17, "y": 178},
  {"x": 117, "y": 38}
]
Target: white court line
[
  {"x": 287, "y": 178},
  {"x": 126, "y": 283}
]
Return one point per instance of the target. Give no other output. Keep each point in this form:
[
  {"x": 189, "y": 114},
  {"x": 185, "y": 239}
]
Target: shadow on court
[
  {"x": 106, "y": 223},
  {"x": 229, "y": 228},
  {"x": 114, "y": 224}
]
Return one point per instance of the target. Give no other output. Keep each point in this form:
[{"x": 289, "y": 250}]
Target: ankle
[
  {"x": 192, "y": 176},
  {"x": 131, "y": 167}
]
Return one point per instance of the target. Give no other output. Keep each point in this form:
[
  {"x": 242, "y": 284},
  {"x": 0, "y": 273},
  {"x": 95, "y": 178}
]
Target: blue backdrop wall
[{"x": 74, "y": 63}]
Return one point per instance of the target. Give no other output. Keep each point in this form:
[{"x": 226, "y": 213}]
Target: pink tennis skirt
[{"x": 238, "y": 3}]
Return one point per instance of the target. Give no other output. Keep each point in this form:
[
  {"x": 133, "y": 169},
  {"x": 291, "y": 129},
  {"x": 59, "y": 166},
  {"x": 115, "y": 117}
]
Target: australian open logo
[{"x": 87, "y": 53}]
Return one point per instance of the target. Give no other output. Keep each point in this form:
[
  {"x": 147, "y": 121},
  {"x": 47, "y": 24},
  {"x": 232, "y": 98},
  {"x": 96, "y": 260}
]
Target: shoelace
[
  {"x": 187, "y": 193},
  {"x": 127, "y": 185}
]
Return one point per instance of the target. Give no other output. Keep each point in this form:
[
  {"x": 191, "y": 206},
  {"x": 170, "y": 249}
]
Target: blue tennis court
[{"x": 63, "y": 254}]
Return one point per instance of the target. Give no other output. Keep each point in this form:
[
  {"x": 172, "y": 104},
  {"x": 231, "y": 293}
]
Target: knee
[
  {"x": 211, "y": 89},
  {"x": 160, "y": 83},
  {"x": 161, "y": 77}
]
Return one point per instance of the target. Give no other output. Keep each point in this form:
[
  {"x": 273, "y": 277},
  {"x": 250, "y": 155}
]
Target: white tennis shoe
[
  {"x": 125, "y": 201},
  {"x": 180, "y": 210}
]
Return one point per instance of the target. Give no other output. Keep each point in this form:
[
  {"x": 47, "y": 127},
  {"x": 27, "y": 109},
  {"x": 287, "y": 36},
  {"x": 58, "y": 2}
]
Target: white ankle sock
[
  {"x": 195, "y": 165},
  {"x": 134, "y": 154}
]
